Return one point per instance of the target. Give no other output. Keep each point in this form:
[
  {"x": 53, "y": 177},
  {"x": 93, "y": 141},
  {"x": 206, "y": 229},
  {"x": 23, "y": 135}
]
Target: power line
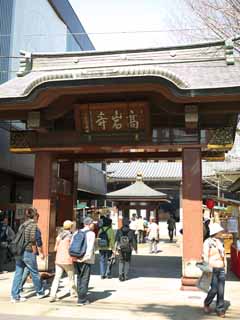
[{"x": 221, "y": 26}]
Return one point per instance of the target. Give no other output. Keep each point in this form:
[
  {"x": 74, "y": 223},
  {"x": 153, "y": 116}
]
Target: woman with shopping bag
[{"x": 214, "y": 259}]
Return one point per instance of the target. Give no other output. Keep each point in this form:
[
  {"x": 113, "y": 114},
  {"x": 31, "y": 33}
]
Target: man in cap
[
  {"x": 83, "y": 265},
  {"x": 214, "y": 255}
]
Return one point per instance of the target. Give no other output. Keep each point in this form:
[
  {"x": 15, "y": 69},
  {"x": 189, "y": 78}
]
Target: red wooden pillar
[
  {"x": 44, "y": 202},
  {"x": 66, "y": 201},
  {"x": 192, "y": 216}
]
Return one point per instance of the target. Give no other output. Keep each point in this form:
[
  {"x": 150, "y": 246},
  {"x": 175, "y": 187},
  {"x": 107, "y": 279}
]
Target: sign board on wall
[
  {"x": 112, "y": 117},
  {"x": 232, "y": 225}
]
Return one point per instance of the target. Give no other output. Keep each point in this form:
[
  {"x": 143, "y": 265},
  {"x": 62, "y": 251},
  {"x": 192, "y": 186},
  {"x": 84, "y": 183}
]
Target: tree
[{"x": 222, "y": 17}]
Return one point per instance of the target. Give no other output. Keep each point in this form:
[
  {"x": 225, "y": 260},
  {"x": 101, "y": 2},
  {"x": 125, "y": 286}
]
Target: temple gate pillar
[
  {"x": 67, "y": 196},
  {"x": 44, "y": 201},
  {"x": 192, "y": 216}
]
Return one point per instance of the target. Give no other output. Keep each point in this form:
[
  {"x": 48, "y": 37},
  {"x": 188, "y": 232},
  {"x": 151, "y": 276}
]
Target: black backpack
[
  {"x": 18, "y": 245},
  {"x": 103, "y": 240}
]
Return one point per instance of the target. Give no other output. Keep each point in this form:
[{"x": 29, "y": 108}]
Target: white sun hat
[
  {"x": 67, "y": 224},
  {"x": 215, "y": 228}
]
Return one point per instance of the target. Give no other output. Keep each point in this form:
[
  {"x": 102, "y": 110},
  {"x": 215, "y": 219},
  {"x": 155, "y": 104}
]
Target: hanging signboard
[
  {"x": 112, "y": 117},
  {"x": 232, "y": 225}
]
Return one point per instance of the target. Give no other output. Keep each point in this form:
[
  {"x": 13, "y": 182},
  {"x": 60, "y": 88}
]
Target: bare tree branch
[{"x": 222, "y": 17}]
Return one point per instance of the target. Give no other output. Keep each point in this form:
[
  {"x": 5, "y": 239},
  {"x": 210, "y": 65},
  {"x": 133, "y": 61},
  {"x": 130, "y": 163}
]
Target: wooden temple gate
[{"x": 161, "y": 104}]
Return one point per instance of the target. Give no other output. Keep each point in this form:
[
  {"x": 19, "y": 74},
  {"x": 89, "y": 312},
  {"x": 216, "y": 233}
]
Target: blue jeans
[
  {"x": 26, "y": 273},
  {"x": 217, "y": 288},
  {"x": 103, "y": 259},
  {"x": 28, "y": 260}
]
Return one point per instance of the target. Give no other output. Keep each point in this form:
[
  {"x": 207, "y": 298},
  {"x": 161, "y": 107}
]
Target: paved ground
[{"x": 153, "y": 292}]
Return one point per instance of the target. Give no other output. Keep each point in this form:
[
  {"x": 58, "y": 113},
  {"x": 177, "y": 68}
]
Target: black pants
[
  {"x": 170, "y": 232},
  {"x": 3, "y": 258},
  {"x": 83, "y": 271},
  {"x": 140, "y": 236},
  {"x": 217, "y": 288}
]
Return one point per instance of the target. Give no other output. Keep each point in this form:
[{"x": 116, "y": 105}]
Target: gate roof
[{"x": 189, "y": 71}]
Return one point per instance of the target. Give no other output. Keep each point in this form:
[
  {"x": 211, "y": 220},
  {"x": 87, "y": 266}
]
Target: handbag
[
  {"x": 204, "y": 266},
  {"x": 204, "y": 281}
]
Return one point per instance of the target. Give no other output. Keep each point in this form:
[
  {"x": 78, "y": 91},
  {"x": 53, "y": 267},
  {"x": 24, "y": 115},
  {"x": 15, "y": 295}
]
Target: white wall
[{"x": 36, "y": 17}]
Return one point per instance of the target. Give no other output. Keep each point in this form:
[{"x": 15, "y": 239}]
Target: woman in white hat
[
  {"x": 63, "y": 261},
  {"x": 214, "y": 255}
]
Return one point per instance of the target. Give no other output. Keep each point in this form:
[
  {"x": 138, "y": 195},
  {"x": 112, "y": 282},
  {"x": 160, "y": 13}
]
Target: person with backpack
[
  {"x": 24, "y": 249},
  {"x": 6, "y": 236},
  {"x": 82, "y": 250},
  {"x": 63, "y": 261},
  {"x": 106, "y": 242},
  {"x": 39, "y": 252},
  {"x": 125, "y": 243}
]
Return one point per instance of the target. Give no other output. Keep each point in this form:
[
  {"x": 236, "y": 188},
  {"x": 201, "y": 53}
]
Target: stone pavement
[{"x": 152, "y": 292}]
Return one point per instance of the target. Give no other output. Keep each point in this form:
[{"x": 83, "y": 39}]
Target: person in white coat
[{"x": 153, "y": 236}]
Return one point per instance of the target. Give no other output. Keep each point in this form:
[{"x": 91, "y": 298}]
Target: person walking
[
  {"x": 82, "y": 265},
  {"x": 214, "y": 255},
  {"x": 153, "y": 236},
  {"x": 171, "y": 227},
  {"x": 106, "y": 242},
  {"x": 133, "y": 225},
  {"x": 140, "y": 229},
  {"x": 125, "y": 243},
  {"x": 6, "y": 236},
  {"x": 63, "y": 261},
  {"x": 39, "y": 252},
  {"x": 28, "y": 259}
]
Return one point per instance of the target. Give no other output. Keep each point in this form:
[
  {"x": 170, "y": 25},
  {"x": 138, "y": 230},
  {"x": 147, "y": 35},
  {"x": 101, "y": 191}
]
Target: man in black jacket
[{"x": 125, "y": 242}]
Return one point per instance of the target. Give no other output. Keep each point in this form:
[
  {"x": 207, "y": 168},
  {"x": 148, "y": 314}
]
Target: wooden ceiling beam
[
  {"x": 14, "y": 115},
  {"x": 45, "y": 95},
  {"x": 59, "y": 108},
  {"x": 82, "y": 157}
]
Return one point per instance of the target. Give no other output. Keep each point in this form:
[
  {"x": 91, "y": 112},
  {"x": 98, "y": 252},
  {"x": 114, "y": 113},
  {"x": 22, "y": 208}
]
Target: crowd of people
[
  {"x": 27, "y": 244},
  {"x": 75, "y": 254},
  {"x": 149, "y": 230}
]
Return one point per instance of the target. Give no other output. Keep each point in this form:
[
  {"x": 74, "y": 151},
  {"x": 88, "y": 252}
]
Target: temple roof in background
[
  {"x": 127, "y": 171},
  {"x": 138, "y": 190}
]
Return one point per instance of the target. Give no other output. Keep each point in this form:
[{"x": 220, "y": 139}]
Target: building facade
[{"x": 34, "y": 26}]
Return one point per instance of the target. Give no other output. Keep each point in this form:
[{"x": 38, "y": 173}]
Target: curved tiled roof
[
  {"x": 190, "y": 67},
  {"x": 137, "y": 190},
  {"x": 165, "y": 170}
]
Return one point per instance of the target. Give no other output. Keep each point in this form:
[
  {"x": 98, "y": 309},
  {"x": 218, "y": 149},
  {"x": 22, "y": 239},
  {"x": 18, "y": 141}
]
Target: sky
[{"x": 100, "y": 16}]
